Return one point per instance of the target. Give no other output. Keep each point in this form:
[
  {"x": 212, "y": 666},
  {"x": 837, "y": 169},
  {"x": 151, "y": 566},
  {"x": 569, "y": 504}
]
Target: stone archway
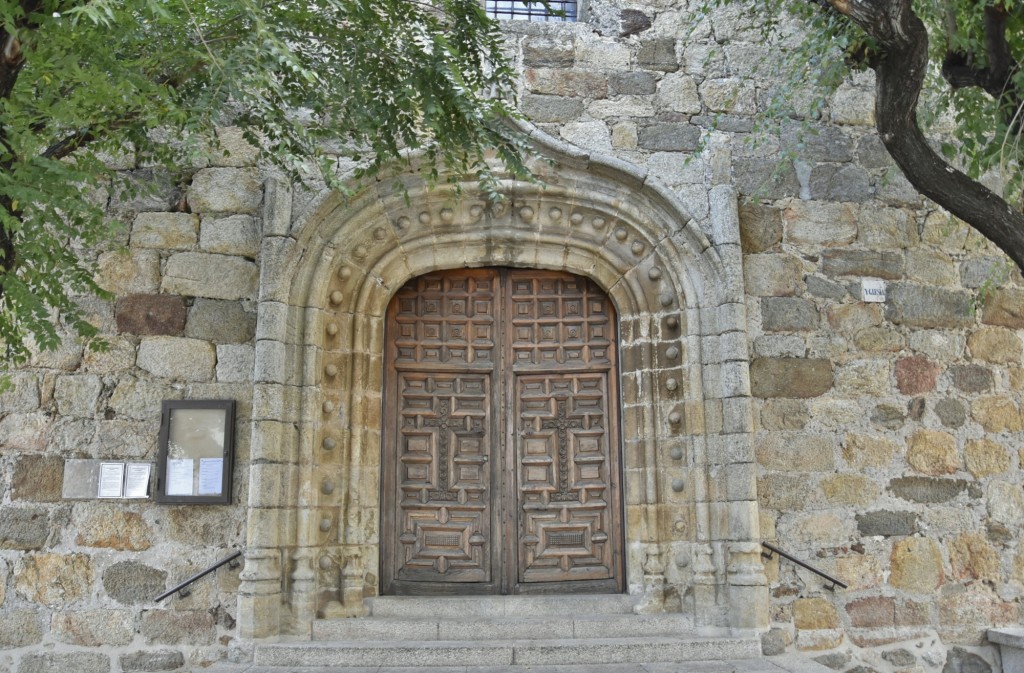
[{"x": 691, "y": 511}]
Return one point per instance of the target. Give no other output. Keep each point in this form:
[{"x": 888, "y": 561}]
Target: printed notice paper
[
  {"x": 211, "y": 476},
  {"x": 136, "y": 481},
  {"x": 111, "y": 480},
  {"x": 179, "y": 476}
]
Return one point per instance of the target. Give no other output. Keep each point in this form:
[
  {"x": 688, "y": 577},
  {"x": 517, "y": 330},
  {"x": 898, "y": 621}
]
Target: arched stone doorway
[
  {"x": 328, "y": 274},
  {"x": 501, "y": 455}
]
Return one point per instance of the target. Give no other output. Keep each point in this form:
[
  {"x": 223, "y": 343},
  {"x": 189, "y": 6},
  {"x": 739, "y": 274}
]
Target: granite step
[
  {"x": 503, "y": 628},
  {"x": 547, "y": 652},
  {"x": 516, "y": 634},
  {"x": 785, "y": 664},
  {"x": 499, "y": 606}
]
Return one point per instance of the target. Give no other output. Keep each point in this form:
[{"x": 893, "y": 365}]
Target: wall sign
[
  {"x": 872, "y": 290},
  {"x": 197, "y": 443}
]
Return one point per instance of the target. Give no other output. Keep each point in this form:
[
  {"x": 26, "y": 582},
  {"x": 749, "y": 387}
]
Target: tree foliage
[
  {"x": 310, "y": 82},
  {"x": 932, "y": 61}
]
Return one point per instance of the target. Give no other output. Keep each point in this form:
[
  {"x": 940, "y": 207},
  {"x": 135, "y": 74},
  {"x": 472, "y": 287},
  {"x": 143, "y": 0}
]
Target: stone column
[
  {"x": 259, "y": 594},
  {"x": 747, "y": 586},
  {"x": 704, "y": 589},
  {"x": 303, "y": 597}
]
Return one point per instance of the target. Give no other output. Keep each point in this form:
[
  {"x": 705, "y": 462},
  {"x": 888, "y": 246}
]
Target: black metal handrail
[
  {"x": 775, "y": 550},
  {"x": 181, "y": 589}
]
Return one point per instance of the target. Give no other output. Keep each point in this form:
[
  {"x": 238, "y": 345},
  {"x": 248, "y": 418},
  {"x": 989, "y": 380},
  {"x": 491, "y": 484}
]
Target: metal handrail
[
  {"x": 181, "y": 588},
  {"x": 773, "y": 549}
]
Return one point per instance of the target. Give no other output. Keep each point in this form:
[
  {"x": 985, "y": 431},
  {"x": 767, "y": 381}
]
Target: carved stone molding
[{"x": 326, "y": 283}]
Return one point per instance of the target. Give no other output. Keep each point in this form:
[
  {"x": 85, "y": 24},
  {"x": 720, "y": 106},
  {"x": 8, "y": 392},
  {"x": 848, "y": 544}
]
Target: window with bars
[{"x": 532, "y": 11}]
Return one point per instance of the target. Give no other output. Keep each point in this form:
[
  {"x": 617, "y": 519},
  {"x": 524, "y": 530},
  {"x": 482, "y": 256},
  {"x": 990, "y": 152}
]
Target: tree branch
[
  {"x": 68, "y": 144},
  {"x": 996, "y": 79},
  {"x": 1000, "y": 61},
  {"x": 8, "y": 253},
  {"x": 900, "y": 74}
]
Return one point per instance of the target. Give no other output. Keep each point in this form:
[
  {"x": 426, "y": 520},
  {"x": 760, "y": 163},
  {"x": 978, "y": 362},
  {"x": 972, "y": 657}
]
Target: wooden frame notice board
[{"x": 197, "y": 445}]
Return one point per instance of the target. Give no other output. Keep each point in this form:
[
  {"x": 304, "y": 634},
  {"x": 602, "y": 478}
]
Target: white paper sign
[
  {"x": 136, "y": 481},
  {"x": 872, "y": 290},
  {"x": 211, "y": 476},
  {"x": 179, "y": 476},
  {"x": 111, "y": 480}
]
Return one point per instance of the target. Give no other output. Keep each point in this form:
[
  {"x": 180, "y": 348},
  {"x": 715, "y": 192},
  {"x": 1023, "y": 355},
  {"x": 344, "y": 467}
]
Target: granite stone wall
[
  {"x": 889, "y": 437},
  {"x": 78, "y": 575}
]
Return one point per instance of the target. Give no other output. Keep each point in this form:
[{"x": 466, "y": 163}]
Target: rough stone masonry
[{"x": 882, "y": 442}]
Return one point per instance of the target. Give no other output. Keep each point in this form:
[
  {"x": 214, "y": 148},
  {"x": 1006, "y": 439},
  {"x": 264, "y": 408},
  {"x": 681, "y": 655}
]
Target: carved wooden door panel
[
  {"x": 500, "y": 465},
  {"x": 562, "y": 342},
  {"x": 438, "y": 515}
]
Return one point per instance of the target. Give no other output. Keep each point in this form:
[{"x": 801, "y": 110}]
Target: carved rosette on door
[{"x": 501, "y": 466}]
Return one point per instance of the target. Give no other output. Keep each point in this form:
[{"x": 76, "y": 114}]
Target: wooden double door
[{"x": 501, "y": 466}]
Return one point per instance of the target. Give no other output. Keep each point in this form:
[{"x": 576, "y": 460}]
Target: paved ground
[{"x": 784, "y": 664}]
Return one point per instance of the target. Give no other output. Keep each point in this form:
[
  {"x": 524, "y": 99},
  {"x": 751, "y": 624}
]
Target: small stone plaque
[
  {"x": 872, "y": 290},
  {"x": 81, "y": 479}
]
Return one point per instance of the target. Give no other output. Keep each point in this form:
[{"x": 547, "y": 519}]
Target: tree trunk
[{"x": 900, "y": 73}]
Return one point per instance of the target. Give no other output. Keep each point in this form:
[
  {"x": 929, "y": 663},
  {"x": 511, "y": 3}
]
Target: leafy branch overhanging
[{"x": 317, "y": 86}]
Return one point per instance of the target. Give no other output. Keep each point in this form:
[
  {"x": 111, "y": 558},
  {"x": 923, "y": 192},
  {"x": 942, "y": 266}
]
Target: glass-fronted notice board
[{"x": 197, "y": 442}]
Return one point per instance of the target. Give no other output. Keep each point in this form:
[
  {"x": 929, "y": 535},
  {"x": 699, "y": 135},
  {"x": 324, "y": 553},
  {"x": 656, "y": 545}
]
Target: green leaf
[{"x": 308, "y": 83}]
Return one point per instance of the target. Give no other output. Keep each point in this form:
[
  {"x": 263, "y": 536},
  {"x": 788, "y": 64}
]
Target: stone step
[
  {"x": 503, "y": 628},
  {"x": 499, "y": 606},
  {"x": 773, "y": 665},
  {"x": 432, "y": 653}
]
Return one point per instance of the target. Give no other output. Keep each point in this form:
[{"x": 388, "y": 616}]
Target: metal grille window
[{"x": 533, "y": 11}]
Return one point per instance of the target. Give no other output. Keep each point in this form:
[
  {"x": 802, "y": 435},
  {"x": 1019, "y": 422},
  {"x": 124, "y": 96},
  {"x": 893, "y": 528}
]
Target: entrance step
[
  {"x": 430, "y": 653},
  {"x": 501, "y": 618},
  {"x": 503, "y": 628},
  {"x": 508, "y": 632},
  {"x": 499, "y": 606},
  {"x": 784, "y": 664}
]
